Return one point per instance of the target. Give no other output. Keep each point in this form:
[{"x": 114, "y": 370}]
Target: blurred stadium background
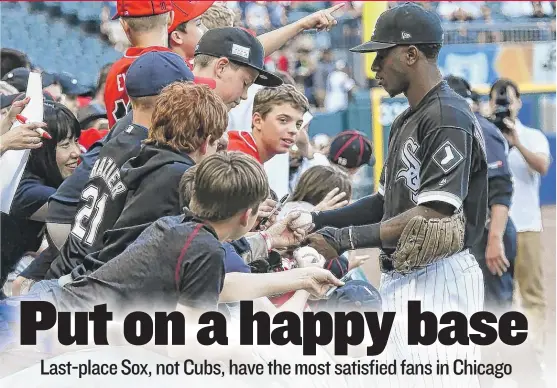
[{"x": 483, "y": 41}]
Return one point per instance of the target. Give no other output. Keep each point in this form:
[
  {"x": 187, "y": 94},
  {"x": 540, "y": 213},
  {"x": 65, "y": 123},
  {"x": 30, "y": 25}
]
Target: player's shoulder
[{"x": 446, "y": 109}]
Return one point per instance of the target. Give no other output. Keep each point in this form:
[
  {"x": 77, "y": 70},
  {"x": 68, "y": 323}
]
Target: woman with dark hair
[{"x": 47, "y": 167}]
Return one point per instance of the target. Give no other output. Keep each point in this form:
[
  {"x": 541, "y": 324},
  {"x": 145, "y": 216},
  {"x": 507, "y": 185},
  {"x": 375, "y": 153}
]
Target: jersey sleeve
[
  {"x": 381, "y": 188},
  {"x": 29, "y": 197},
  {"x": 445, "y": 170}
]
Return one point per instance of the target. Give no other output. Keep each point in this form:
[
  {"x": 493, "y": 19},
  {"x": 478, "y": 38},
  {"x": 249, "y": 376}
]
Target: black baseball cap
[
  {"x": 353, "y": 296},
  {"x": 9, "y": 99},
  {"x": 405, "y": 24},
  {"x": 19, "y": 78},
  {"x": 351, "y": 149},
  {"x": 240, "y": 47}
]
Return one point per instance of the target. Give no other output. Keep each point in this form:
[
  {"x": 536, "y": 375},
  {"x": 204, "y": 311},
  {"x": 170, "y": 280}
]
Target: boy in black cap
[{"x": 436, "y": 170}]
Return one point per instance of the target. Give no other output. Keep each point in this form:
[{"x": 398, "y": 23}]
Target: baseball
[
  {"x": 308, "y": 257},
  {"x": 303, "y": 221}
]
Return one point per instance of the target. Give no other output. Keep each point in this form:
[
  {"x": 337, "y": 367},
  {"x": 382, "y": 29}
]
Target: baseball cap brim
[
  {"x": 267, "y": 79},
  {"x": 371, "y": 46}
]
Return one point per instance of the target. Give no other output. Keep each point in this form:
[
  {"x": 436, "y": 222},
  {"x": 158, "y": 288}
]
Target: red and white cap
[{"x": 131, "y": 8}]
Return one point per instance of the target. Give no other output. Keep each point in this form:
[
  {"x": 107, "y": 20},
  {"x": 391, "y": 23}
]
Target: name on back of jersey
[{"x": 106, "y": 169}]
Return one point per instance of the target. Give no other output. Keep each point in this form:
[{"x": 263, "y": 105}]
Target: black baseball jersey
[
  {"x": 153, "y": 180},
  {"x": 102, "y": 201},
  {"x": 437, "y": 153}
]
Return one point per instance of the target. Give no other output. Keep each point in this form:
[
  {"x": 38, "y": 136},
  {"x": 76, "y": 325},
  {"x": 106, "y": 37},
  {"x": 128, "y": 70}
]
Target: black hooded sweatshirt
[{"x": 153, "y": 179}]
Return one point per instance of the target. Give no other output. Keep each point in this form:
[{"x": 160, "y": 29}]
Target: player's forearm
[
  {"x": 274, "y": 40},
  {"x": 247, "y": 286},
  {"x": 536, "y": 161},
  {"x": 498, "y": 222},
  {"x": 367, "y": 210},
  {"x": 387, "y": 233}
]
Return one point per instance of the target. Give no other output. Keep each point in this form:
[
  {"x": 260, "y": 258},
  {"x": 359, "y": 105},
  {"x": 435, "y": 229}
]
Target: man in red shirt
[
  {"x": 146, "y": 24},
  {"x": 277, "y": 118}
]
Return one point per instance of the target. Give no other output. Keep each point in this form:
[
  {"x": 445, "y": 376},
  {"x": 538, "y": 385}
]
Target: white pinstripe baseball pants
[{"x": 452, "y": 284}]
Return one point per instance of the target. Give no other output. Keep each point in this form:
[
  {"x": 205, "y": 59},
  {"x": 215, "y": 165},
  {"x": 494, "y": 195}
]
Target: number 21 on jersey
[{"x": 91, "y": 213}]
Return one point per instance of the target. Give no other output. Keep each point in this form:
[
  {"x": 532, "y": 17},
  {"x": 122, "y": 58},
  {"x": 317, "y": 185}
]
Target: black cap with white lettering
[
  {"x": 240, "y": 47},
  {"x": 405, "y": 24}
]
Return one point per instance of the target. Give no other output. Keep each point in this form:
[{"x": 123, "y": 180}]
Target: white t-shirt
[
  {"x": 525, "y": 208},
  {"x": 318, "y": 160},
  {"x": 338, "y": 85}
]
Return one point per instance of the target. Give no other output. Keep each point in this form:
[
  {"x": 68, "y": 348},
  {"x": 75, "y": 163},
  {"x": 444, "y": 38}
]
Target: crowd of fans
[{"x": 148, "y": 151}]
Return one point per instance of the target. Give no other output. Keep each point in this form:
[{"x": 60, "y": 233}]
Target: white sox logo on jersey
[{"x": 410, "y": 174}]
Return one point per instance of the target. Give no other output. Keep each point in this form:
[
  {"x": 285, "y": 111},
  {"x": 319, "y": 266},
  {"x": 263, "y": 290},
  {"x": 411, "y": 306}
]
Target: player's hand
[
  {"x": 15, "y": 109},
  {"x": 327, "y": 241},
  {"x": 22, "y": 137},
  {"x": 333, "y": 200},
  {"x": 511, "y": 135},
  {"x": 321, "y": 20},
  {"x": 283, "y": 235},
  {"x": 317, "y": 281},
  {"x": 495, "y": 258}
]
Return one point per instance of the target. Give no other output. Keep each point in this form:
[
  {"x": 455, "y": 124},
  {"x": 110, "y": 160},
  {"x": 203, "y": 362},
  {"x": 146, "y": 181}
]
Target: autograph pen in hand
[{"x": 44, "y": 134}]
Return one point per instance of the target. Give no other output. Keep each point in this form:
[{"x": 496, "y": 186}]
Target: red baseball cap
[
  {"x": 184, "y": 11},
  {"x": 131, "y": 8}
]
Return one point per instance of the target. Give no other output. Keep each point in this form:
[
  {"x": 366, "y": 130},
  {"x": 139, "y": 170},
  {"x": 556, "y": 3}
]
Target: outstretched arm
[{"x": 320, "y": 20}]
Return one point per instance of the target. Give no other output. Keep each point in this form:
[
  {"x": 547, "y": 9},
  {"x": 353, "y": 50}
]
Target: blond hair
[
  {"x": 147, "y": 23},
  {"x": 227, "y": 183},
  {"x": 267, "y": 98},
  {"x": 218, "y": 16},
  {"x": 185, "y": 115}
]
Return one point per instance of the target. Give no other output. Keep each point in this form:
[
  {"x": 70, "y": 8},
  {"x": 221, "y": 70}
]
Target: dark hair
[
  {"x": 431, "y": 51},
  {"x": 12, "y": 59},
  {"x": 504, "y": 83},
  {"x": 61, "y": 124},
  {"x": 103, "y": 73}
]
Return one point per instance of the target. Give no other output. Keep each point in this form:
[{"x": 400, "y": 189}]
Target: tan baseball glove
[{"x": 424, "y": 241}]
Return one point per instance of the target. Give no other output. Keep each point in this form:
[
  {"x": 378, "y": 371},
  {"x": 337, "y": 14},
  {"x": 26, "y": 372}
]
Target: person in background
[
  {"x": 323, "y": 69},
  {"x": 146, "y": 25},
  {"x": 217, "y": 16},
  {"x": 18, "y": 78},
  {"x": 12, "y": 59},
  {"x": 351, "y": 150},
  {"x": 187, "y": 28},
  {"x": 340, "y": 87},
  {"x": 319, "y": 188},
  {"x": 48, "y": 165},
  {"x": 71, "y": 90},
  {"x": 529, "y": 159}
]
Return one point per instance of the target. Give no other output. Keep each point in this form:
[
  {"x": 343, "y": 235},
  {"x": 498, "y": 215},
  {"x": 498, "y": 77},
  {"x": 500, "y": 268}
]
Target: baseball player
[{"x": 432, "y": 199}]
